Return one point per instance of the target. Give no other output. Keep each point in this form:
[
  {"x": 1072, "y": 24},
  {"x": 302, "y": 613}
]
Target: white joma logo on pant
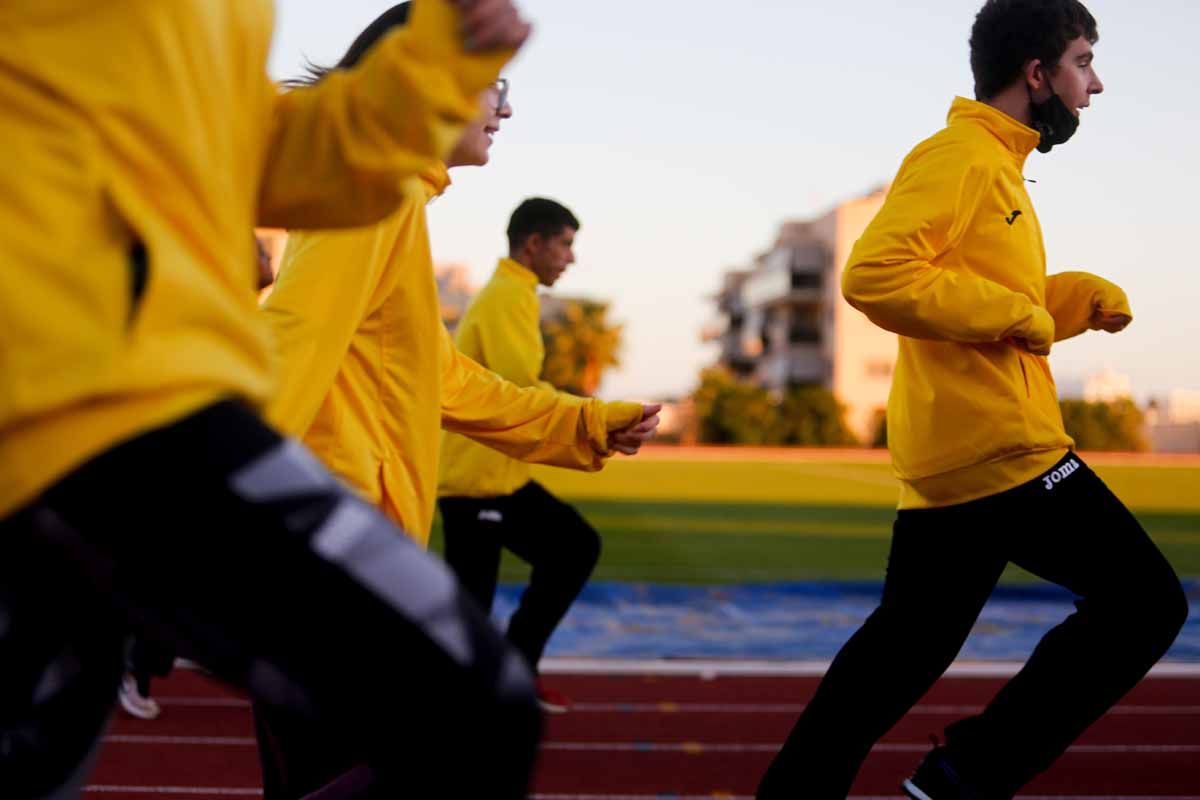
[{"x": 1061, "y": 473}]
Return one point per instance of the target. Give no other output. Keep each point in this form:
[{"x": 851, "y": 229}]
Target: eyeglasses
[{"x": 501, "y": 89}]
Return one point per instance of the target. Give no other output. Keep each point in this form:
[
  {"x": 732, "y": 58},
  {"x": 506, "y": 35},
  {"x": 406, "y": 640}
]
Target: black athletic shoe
[{"x": 938, "y": 779}]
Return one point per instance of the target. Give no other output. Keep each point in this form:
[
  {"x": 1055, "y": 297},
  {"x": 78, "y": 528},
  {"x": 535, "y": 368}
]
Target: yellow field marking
[
  {"x": 872, "y": 456},
  {"x": 824, "y": 529}
]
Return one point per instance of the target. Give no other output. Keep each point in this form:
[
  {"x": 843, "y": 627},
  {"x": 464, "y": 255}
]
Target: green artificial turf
[{"x": 697, "y": 521}]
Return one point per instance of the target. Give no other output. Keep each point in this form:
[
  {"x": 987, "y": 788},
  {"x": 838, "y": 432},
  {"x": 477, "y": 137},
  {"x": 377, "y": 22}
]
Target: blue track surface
[{"x": 794, "y": 621}]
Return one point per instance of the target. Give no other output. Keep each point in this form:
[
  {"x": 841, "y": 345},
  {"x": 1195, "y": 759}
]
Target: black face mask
[{"x": 1053, "y": 120}]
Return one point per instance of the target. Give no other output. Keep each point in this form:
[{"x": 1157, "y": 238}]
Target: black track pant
[
  {"x": 147, "y": 661},
  {"x": 543, "y": 531},
  {"x": 1065, "y": 527},
  {"x": 220, "y": 540}
]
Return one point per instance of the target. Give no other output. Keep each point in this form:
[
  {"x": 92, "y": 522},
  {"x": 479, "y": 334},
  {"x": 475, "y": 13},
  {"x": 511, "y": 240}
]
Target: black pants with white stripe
[
  {"x": 234, "y": 547},
  {"x": 1066, "y": 527},
  {"x": 544, "y": 532}
]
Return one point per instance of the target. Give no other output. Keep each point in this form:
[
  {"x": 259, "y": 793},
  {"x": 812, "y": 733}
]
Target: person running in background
[
  {"x": 149, "y": 660},
  {"x": 954, "y": 263},
  {"x": 146, "y": 662},
  {"x": 488, "y": 500},
  {"x": 369, "y": 376},
  {"x": 139, "y": 489}
]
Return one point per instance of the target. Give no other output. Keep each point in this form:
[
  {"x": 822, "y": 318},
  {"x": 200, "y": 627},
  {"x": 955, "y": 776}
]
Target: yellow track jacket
[
  {"x": 500, "y": 330},
  {"x": 370, "y": 374},
  {"x": 954, "y": 263},
  {"x": 151, "y": 127}
]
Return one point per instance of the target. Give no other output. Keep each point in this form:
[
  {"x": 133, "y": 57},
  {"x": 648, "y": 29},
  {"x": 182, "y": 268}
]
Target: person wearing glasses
[{"x": 369, "y": 376}]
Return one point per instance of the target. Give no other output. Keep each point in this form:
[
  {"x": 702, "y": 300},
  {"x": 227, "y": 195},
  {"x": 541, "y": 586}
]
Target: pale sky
[{"x": 682, "y": 132}]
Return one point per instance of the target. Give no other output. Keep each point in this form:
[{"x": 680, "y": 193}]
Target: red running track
[{"x": 645, "y": 736}]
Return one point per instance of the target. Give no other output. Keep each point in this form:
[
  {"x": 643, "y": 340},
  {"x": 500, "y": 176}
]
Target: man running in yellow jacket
[
  {"x": 370, "y": 376},
  {"x": 139, "y": 489},
  {"x": 488, "y": 500},
  {"x": 954, "y": 263}
]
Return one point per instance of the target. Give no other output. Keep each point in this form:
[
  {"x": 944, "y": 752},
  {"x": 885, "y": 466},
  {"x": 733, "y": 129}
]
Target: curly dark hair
[
  {"x": 1010, "y": 33},
  {"x": 394, "y": 17}
]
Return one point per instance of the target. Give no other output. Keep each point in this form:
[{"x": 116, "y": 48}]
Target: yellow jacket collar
[
  {"x": 435, "y": 178},
  {"x": 1020, "y": 139},
  {"x": 517, "y": 270}
]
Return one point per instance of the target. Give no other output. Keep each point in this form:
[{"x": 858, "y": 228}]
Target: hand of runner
[
  {"x": 629, "y": 440},
  {"x": 492, "y": 24},
  {"x": 1109, "y": 321}
]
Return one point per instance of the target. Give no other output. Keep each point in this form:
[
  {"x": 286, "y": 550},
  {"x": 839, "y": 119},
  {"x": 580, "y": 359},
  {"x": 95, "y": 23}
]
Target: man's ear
[
  {"x": 535, "y": 242},
  {"x": 1035, "y": 74}
]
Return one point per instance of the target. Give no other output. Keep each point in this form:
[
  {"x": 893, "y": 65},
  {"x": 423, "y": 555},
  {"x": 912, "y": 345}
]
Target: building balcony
[
  {"x": 774, "y": 288},
  {"x": 803, "y": 334},
  {"x": 797, "y": 364}
]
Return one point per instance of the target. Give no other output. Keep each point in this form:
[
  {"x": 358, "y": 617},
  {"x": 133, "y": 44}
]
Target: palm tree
[{"x": 580, "y": 343}]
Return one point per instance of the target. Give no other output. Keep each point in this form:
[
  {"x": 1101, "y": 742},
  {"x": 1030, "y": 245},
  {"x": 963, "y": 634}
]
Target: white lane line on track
[
  {"x": 655, "y": 747},
  {"x": 253, "y": 792},
  {"x": 175, "y": 790},
  {"x": 702, "y": 747},
  {"x": 712, "y": 668},
  {"x": 791, "y": 669},
  {"x": 659, "y": 797},
  {"x": 560, "y": 665},
  {"x": 202, "y": 702},
  {"x": 721, "y": 796},
  {"x": 206, "y": 741},
  {"x": 671, "y": 707}
]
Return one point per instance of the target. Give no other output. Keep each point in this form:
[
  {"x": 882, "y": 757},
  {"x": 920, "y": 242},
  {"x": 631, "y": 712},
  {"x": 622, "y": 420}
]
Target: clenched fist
[
  {"x": 492, "y": 24},
  {"x": 629, "y": 440}
]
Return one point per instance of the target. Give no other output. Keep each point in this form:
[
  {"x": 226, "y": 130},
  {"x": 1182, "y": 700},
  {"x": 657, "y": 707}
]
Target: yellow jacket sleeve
[
  {"x": 891, "y": 276},
  {"x": 1074, "y": 298},
  {"x": 325, "y": 286},
  {"x": 337, "y": 152},
  {"x": 509, "y": 341},
  {"x": 529, "y": 423}
]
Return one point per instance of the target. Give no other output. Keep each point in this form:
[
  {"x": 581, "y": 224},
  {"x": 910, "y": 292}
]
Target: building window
[
  {"x": 810, "y": 259},
  {"x": 806, "y": 280},
  {"x": 801, "y": 332},
  {"x": 804, "y": 326}
]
